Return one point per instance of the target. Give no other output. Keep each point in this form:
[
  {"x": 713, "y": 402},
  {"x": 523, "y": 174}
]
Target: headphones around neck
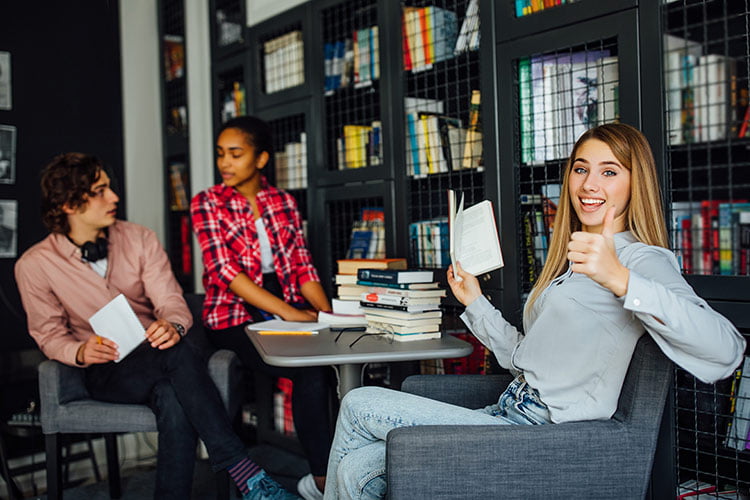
[{"x": 91, "y": 251}]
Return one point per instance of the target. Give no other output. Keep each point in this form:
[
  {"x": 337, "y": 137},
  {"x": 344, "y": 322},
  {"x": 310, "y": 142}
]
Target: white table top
[{"x": 320, "y": 349}]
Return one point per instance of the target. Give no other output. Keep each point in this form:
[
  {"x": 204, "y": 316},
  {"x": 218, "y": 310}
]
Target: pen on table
[{"x": 292, "y": 332}]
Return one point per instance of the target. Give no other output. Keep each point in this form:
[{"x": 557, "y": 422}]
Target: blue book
[
  {"x": 444, "y": 28},
  {"x": 395, "y": 275}
]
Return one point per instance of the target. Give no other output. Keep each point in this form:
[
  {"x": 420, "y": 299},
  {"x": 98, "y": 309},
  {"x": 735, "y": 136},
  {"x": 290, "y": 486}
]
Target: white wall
[
  {"x": 141, "y": 103},
  {"x": 260, "y": 10}
]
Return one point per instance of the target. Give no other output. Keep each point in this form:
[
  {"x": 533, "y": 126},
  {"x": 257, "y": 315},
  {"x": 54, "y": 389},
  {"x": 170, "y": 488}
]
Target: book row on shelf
[
  {"x": 178, "y": 179},
  {"x": 527, "y": 7},
  {"x": 174, "y": 57},
  {"x": 359, "y": 146},
  {"x": 367, "y": 239},
  {"x": 429, "y": 36},
  {"x": 177, "y": 121},
  {"x": 710, "y": 237},
  {"x": 284, "y": 62},
  {"x": 436, "y": 143},
  {"x": 283, "y": 419},
  {"x": 234, "y": 102},
  {"x": 291, "y": 164},
  {"x": 704, "y": 101},
  {"x": 561, "y": 96},
  {"x": 352, "y": 61},
  {"x": 429, "y": 243}
]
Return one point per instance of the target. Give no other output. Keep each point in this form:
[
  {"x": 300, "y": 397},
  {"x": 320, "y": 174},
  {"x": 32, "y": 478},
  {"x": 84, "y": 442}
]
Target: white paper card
[
  {"x": 279, "y": 325},
  {"x": 117, "y": 322}
]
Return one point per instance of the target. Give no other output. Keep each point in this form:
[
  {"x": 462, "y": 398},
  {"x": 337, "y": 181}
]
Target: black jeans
[
  {"x": 175, "y": 383},
  {"x": 311, "y": 390}
]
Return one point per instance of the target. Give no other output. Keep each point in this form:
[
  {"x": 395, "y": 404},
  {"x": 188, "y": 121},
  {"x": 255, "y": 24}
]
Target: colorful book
[
  {"x": 417, "y": 308},
  {"x": 399, "y": 300},
  {"x": 398, "y": 286}
]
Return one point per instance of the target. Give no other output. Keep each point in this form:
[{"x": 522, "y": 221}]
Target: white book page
[
  {"x": 474, "y": 241},
  {"x": 117, "y": 322}
]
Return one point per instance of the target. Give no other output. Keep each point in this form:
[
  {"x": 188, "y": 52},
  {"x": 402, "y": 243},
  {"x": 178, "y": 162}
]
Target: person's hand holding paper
[{"x": 116, "y": 322}]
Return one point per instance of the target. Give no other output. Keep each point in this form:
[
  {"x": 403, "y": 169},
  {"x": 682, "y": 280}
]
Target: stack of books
[
  {"x": 346, "y": 310},
  {"x": 405, "y": 303}
]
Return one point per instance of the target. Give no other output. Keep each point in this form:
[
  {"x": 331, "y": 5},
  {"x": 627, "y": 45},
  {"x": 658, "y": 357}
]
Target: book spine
[{"x": 395, "y": 307}]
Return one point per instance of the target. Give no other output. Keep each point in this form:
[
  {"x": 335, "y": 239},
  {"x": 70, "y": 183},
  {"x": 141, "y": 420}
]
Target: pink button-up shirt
[{"x": 60, "y": 292}]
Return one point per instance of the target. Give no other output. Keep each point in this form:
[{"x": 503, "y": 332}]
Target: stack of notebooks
[{"x": 403, "y": 302}]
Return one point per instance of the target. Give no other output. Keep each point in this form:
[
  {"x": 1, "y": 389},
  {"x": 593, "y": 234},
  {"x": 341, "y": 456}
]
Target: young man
[{"x": 88, "y": 259}]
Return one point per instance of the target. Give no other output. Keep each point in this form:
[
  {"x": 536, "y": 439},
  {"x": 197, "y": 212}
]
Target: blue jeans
[
  {"x": 175, "y": 383},
  {"x": 356, "y": 468}
]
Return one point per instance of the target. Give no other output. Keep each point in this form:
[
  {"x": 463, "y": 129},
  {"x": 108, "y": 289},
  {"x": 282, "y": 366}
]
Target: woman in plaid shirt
[{"x": 256, "y": 264}]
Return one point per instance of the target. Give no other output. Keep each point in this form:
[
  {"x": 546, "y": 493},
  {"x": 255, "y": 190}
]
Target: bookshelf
[
  {"x": 228, "y": 27},
  {"x": 706, "y": 60},
  {"x": 176, "y": 161}
]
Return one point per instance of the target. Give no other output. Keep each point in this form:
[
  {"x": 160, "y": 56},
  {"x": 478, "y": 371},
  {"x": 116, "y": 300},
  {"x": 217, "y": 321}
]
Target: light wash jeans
[{"x": 356, "y": 467}]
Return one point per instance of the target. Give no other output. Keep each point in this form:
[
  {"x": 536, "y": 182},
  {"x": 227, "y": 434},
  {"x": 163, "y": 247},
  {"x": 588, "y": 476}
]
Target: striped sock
[{"x": 242, "y": 471}]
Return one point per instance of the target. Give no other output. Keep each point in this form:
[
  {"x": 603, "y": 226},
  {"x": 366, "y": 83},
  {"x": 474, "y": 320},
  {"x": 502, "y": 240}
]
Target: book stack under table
[{"x": 401, "y": 303}]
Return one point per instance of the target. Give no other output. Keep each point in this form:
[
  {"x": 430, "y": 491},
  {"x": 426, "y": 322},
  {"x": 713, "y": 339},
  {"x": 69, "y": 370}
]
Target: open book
[{"x": 473, "y": 236}]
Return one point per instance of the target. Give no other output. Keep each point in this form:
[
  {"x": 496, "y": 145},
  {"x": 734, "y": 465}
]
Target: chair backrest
[{"x": 644, "y": 392}]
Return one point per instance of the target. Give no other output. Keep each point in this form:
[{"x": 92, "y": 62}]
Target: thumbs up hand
[{"x": 594, "y": 255}]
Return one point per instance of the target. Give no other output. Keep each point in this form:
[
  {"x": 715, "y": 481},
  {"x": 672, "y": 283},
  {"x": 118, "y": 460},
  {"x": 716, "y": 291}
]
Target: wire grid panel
[
  {"x": 560, "y": 95},
  {"x": 229, "y": 22},
  {"x": 707, "y": 62},
  {"x": 289, "y": 165},
  {"x": 344, "y": 219},
  {"x": 705, "y": 416},
  {"x": 232, "y": 93},
  {"x": 352, "y": 97},
  {"x": 443, "y": 132},
  {"x": 283, "y": 58}
]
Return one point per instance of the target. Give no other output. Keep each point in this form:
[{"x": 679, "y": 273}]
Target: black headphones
[{"x": 91, "y": 251}]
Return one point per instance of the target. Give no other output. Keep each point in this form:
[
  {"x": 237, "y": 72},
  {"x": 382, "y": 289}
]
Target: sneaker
[
  {"x": 308, "y": 489},
  {"x": 262, "y": 487}
]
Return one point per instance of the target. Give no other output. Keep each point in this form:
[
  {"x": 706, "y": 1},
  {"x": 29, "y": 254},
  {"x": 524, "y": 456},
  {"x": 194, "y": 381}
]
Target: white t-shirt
[{"x": 266, "y": 257}]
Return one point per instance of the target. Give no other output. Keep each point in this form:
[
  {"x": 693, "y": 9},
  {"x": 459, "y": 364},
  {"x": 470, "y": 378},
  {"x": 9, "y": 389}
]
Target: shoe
[
  {"x": 308, "y": 489},
  {"x": 262, "y": 487}
]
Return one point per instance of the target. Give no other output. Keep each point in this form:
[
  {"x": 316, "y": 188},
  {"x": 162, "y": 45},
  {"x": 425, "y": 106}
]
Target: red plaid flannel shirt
[{"x": 223, "y": 222}]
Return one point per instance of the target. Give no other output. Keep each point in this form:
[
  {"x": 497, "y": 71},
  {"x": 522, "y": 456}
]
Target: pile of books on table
[
  {"x": 404, "y": 303},
  {"x": 346, "y": 310}
]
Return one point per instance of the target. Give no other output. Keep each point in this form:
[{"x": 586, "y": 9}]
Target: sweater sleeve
[
  {"x": 686, "y": 328},
  {"x": 490, "y": 327}
]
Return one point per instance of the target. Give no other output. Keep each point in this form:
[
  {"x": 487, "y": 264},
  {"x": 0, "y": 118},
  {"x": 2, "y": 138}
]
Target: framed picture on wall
[
  {"x": 6, "y": 101},
  {"x": 7, "y": 154},
  {"x": 8, "y": 228}
]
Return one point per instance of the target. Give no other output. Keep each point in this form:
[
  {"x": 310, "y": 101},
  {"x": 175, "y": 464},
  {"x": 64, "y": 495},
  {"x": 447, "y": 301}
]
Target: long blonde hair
[{"x": 644, "y": 217}]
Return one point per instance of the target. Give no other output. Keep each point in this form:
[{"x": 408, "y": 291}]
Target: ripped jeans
[{"x": 356, "y": 467}]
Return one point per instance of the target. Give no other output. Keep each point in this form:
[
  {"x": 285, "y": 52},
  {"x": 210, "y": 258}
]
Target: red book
[
  {"x": 425, "y": 35},
  {"x": 405, "y": 44},
  {"x": 187, "y": 259}
]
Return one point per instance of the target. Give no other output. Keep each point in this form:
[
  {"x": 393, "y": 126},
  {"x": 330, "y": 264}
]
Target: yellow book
[
  {"x": 430, "y": 31},
  {"x": 355, "y": 145},
  {"x": 473, "y": 144}
]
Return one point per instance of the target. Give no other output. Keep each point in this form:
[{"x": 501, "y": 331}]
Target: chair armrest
[
  {"x": 58, "y": 384},
  {"x": 469, "y": 391},
  {"x": 519, "y": 461},
  {"x": 225, "y": 370}
]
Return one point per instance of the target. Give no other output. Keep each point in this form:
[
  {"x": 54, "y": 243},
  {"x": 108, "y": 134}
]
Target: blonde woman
[{"x": 609, "y": 279}]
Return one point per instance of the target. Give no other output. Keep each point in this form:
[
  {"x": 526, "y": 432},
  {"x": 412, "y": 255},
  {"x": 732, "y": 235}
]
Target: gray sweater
[{"x": 580, "y": 337}]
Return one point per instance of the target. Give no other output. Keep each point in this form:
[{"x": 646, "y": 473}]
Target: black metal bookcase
[
  {"x": 704, "y": 168},
  {"x": 176, "y": 161}
]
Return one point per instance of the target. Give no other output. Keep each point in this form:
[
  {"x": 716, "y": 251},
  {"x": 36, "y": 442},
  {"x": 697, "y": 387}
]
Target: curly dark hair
[{"x": 67, "y": 180}]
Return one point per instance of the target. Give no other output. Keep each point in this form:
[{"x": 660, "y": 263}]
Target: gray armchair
[
  {"x": 592, "y": 459},
  {"x": 67, "y": 408}
]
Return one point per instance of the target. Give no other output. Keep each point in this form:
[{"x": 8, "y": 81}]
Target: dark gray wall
[{"x": 65, "y": 60}]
